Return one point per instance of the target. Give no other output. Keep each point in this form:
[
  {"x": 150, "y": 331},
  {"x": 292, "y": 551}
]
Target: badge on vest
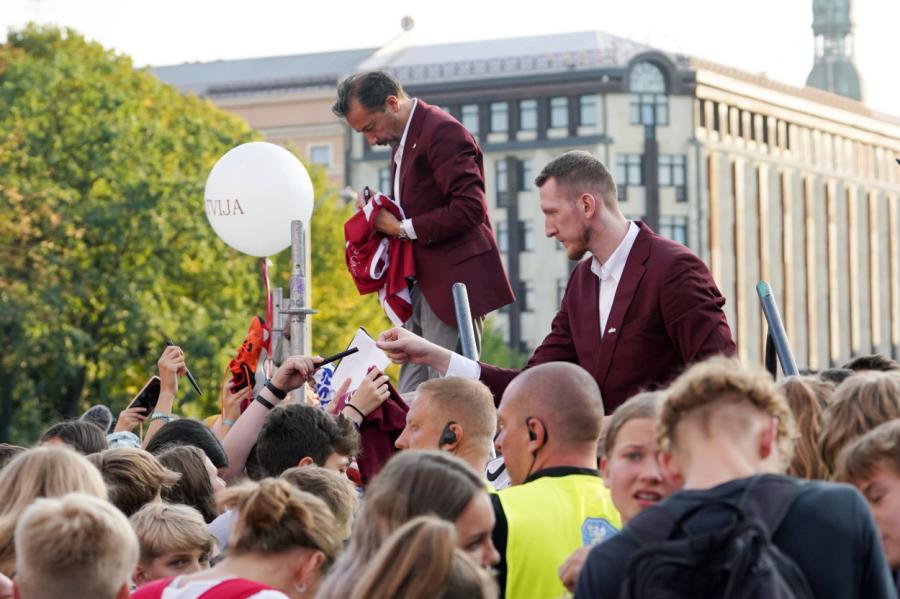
[{"x": 596, "y": 530}]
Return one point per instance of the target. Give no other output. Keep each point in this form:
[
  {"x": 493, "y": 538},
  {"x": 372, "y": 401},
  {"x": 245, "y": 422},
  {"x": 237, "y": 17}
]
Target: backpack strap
[
  {"x": 769, "y": 498},
  {"x": 151, "y": 590},
  {"x": 234, "y": 588}
]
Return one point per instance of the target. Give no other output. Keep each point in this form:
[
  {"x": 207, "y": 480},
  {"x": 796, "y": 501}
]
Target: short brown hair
[
  {"x": 469, "y": 401},
  {"x": 134, "y": 477},
  {"x": 722, "y": 379},
  {"x": 861, "y": 403},
  {"x": 165, "y": 528},
  {"x": 642, "y": 405},
  {"x": 878, "y": 448},
  {"x": 872, "y": 362},
  {"x": 579, "y": 171},
  {"x": 193, "y": 486},
  {"x": 333, "y": 488}
]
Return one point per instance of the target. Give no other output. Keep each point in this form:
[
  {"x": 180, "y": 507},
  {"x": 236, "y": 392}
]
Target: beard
[{"x": 575, "y": 251}]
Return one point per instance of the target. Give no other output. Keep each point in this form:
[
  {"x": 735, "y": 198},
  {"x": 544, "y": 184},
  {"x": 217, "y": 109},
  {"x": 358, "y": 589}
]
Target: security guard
[{"x": 549, "y": 424}]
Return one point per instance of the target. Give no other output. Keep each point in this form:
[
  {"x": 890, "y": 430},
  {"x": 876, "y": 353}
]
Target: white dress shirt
[
  {"x": 406, "y": 223},
  {"x": 609, "y": 274}
]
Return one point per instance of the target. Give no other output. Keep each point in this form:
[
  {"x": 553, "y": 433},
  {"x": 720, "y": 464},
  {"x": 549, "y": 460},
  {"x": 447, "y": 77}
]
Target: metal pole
[
  {"x": 277, "y": 324},
  {"x": 464, "y": 321},
  {"x": 297, "y": 305},
  {"x": 776, "y": 329}
]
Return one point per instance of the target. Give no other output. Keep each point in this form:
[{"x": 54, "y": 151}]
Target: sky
[{"x": 773, "y": 37}]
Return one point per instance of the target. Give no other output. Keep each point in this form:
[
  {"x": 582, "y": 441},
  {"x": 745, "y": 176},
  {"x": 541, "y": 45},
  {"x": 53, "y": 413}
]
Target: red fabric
[
  {"x": 152, "y": 590},
  {"x": 235, "y": 588},
  {"x": 378, "y": 262},
  {"x": 667, "y": 314},
  {"x": 378, "y": 433},
  {"x": 442, "y": 191}
]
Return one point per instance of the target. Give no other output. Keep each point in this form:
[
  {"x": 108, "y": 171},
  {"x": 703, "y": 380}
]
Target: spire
[{"x": 833, "y": 69}]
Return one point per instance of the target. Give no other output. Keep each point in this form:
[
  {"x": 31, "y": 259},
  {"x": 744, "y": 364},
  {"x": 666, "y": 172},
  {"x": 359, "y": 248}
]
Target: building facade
[{"x": 762, "y": 180}]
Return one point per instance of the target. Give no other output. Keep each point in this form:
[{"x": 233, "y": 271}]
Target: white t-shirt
[{"x": 195, "y": 588}]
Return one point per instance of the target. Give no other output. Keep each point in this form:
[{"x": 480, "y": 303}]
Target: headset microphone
[{"x": 448, "y": 435}]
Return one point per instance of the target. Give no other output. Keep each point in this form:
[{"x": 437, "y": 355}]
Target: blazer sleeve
[
  {"x": 692, "y": 311},
  {"x": 455, "y": 162},
  {"x": 557, "y": 346}
]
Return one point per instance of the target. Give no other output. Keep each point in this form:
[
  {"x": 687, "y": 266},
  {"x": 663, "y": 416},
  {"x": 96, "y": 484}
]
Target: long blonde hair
[
  {"x": 40, "y": 472},
  {"x": 420, "y": 559}
]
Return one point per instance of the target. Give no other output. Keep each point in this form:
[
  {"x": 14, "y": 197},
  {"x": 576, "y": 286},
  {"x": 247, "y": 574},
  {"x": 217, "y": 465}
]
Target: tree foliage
[{"x": 105, "y": 250}]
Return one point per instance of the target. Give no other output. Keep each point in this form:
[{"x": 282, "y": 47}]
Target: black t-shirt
[{"x": 828, "y": 532}]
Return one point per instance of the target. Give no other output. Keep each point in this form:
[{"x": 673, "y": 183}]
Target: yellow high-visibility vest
[{"x": 547, "y": 520}]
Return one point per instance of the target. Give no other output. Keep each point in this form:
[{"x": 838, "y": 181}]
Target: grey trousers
[{"x": 425, "y": 323}]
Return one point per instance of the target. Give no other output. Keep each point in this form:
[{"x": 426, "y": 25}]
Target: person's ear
[
  {"x": 306, "y": 461},
  {"x": 392, "y": 103},
  {"x": 670, "y": 466},
  {"x": 604, "y": 469},
  {"x": 139, "y": 576},
  {"x": 451, "y": 437},
  {"x": 537, "y": 434},
  {"x": 588, "y": 205},
  {"x": 768, "y": 439},
  {"x": 308, "y": 566}
]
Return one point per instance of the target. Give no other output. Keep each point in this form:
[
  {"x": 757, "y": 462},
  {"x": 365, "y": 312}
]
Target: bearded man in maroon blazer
[
  {"x": 634, "y": 315},
  {"x": 438, "y": 179}
]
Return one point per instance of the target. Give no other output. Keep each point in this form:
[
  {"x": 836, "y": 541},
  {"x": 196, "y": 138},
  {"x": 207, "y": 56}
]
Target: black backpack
[{"x": 735, "y": 561}]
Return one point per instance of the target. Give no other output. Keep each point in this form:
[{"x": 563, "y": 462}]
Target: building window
[
  {"x": 503, "y": 236},
  {"x": 675, "y": 228},
  {"x": 527, "y": 236},
  {"x": 559, "y": 113},
  {"x": 672, "y": 174},
  {"x": 499, "y": 117},
  {"x": 320, "y": 154},
  {"x": 527, "y": 294},
  {"x": 649, "y": 104},
  {"x": 587, "y": 111},
  {"x": 469, "y": 114},
  {"x": 501, "y": 181},
  {"x": 628, "y": 170},
  {"x": 528, "y": 115},
  {"x": 384, "y": 180},
  {"x": 526, "y": 175}
]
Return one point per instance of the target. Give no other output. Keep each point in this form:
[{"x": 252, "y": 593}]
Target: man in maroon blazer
[
  {"x": 633, "y": 316},
  {"x": 438, "y": 179}
]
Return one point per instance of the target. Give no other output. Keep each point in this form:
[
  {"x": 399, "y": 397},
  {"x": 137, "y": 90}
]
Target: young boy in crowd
[
  {"x": 872, "y": 463},
  {"x": 727, "y": 431},
  {"x": 173, "y": 539}
]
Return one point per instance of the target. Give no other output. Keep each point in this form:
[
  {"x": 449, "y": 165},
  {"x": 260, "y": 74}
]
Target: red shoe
[{"x": 243, "y": 367}]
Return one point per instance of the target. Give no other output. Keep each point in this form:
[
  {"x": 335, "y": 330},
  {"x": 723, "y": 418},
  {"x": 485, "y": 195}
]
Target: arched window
[{"x": 649, "y": 103}]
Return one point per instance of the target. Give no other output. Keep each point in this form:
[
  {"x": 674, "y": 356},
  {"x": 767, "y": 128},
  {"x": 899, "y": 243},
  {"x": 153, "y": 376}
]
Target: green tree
[
  {"x": 104, "y": 248},
  {"x": 105, "y": 251}
]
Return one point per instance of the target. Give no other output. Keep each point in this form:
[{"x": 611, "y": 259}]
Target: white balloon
[{"x": 253, "y": 193}]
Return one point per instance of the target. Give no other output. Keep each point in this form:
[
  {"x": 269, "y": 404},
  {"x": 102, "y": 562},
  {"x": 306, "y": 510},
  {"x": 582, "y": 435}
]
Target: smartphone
[{"x": 147, "y": 397}]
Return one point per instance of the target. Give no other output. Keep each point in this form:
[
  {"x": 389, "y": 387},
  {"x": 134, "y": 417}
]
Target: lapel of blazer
[
  {"x": 631, "y": 278},
  {"x": 411, "y": 145}
]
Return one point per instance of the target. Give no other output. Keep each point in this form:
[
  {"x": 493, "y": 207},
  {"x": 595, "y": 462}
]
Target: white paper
[{"x": 356, "y": 366}]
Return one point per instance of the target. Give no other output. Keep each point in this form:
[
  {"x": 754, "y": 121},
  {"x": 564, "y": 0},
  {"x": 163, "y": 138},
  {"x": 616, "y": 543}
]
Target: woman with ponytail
[
  {"x": 282, "y": 544},
  {"x": 420, "y": 559}
]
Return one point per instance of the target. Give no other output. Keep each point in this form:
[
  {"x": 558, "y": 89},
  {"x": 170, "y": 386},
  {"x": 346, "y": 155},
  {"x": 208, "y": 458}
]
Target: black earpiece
[
  {"x": 448, "y": 435},
  {"x": 532, "y": 436}
]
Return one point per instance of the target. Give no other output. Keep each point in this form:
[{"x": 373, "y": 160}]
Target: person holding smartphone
[{"x": 171, "y": 366}]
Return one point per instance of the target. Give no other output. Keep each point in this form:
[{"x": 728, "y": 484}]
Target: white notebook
[{"x": 355, "y": 366}]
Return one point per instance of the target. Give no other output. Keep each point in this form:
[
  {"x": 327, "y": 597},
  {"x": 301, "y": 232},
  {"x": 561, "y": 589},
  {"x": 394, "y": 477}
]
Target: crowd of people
[
  {"x": 631, "y": 457},
  {"x": 598, "y": 505}
]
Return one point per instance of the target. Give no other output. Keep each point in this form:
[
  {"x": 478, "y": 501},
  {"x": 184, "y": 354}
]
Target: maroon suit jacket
[
  {"x": 667, "y": 313},
  {"x": 442, "y": 191}
]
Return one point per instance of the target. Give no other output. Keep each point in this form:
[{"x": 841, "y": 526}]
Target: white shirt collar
[
  {"x": 398, "y": 154},
  {"x": 615, "y": 265}
]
